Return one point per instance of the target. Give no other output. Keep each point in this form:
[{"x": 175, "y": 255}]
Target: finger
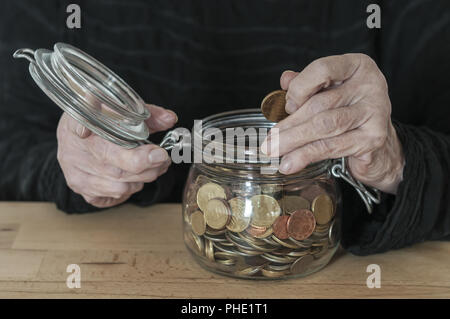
[
  {"x": 345, "y": 144},
  {"x": 92, "y": 166},
  {"x": 104, "y": 202},
  {"x": 133, "y": 161},
  {"x": 96, "y": 186},
  {"x": 160, "y": 119},
  {"x": 76, "y": 128},
  {"x": 286, "y": 78},
  {"x": 342, "y": 95},
  {"x": 146, "y": 176},
  {"x": 320, "y": 74},
  {"x": 322, "y": 125}
]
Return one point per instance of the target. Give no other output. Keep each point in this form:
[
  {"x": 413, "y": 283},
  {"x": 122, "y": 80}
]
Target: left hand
[{"x": 339, "y": 106}]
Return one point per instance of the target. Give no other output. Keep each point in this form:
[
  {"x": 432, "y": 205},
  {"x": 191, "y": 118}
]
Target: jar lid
[{"x": 89, "y": 92}]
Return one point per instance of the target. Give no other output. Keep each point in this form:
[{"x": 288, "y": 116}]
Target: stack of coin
[{"x": 257, "y": 231}]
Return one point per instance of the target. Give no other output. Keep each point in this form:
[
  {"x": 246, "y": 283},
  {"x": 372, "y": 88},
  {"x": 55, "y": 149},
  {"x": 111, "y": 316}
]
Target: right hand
[{"x": 104, "y": 173}]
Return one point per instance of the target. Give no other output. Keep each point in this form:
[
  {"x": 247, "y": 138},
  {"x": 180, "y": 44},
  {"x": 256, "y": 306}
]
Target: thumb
[
  {"x": 82, "y": 131},
  {"x": 76, "y": 127}
]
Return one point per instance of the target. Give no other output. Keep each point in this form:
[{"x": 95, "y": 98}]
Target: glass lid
[{"x": 90, "y": 92}]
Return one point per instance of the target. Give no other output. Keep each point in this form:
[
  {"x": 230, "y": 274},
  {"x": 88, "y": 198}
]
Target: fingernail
[
  {"x": 170, "y": 117},
  {"x": 80, "y": 129},
  {"x": 291, "y": 107},
  {"x": 157, "y": 156},
  {"x": 285, "y": 166}
]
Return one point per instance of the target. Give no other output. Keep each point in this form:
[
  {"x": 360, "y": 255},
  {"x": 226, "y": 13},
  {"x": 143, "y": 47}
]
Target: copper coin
[
  {"x": 256, "y": 231},
  {"x": 273, "y": 106},
  {"x": 301, "y": 224},
  {"x": 280, "y": 227}
]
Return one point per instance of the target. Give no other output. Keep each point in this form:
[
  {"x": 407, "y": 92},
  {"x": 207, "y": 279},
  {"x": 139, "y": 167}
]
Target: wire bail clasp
[
  {"x": 172, "y": 139},
  {"x": 338, "y": 170}
]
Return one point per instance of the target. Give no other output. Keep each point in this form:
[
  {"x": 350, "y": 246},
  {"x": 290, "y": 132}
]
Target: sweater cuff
[{"x": 396, "y": 222}]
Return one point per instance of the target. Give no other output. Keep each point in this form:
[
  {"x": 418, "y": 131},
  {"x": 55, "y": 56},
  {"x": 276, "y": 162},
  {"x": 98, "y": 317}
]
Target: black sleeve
[
  {"x": 414, "y": 57},
  {"x": 29, "y": 168}
]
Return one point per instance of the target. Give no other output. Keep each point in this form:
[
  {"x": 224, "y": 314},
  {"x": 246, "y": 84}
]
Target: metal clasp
[
  {"x": 338, "y": 170},
  {"x": 171, "y": 139}
]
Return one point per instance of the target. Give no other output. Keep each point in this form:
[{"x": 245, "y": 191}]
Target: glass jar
[{"x": 246, "y": 223}]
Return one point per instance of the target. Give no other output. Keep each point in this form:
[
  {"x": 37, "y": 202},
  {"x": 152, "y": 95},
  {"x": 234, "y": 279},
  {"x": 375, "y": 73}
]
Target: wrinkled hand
[
  {"x": 104, "y": 173},
  {"x": 339, "y": 106}
]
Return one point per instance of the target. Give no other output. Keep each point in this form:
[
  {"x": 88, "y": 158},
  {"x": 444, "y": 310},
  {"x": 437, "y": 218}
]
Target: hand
[
  {"x": 104, "y": 173},
  {"x": 339, "y": 106}
]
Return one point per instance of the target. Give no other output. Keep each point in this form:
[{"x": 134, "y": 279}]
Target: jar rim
[{"x": 254, "y": 159}]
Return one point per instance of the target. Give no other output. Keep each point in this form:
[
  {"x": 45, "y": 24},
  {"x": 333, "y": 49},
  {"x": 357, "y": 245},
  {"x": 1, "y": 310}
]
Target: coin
[
  {"x": 209, "y": 191},
  {"x": 280, "y": 227},
  {"x": 273, "y": 273},
  {"x": 209, "y": 250},
  {"x": 291, "y": 203},
  {"x": 302, "y": 264},
  {"x": 194, "y": 241},
  {"x": 198, "y": 223},
  {"x": 256, "y": 230},
  {"x": 323, "y": 207},
  {"x": 273, "y": 106},
  {"x": 249, "y": 271},
  {"x": 301, "y": 224},
  {"x": 265, "y": 210},
  {"x": 217, "y": 213},
  {"x": 267, "y": 233},
  {"x": 239, "y": 219},
  {"x": 334, "y": 232}
]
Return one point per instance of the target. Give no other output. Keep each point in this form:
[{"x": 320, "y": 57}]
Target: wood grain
[{"x": 131, "y": 252}]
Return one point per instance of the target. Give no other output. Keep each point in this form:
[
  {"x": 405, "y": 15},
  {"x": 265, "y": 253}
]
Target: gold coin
[
  {"x": 265, "y": 210},
  {"x": 248, "y": 271},
  {"x": 273, "y": 273},
  {"x": 273, "y": 106},
  {"x": 323, "y": 209},
  {"x": 291, "y": 203},
  {"x": 198, "y": 223},
  {"x": 209, "y": 250},
  {"x": 217, "y": 213},
  {"x": 239, "y": 219},
  {"x": 302, "y": 264},
  {"x": 209, "y": 191}
]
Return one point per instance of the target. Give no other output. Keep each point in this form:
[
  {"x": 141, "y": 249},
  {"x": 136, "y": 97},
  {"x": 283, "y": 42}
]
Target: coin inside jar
[
  {"x": 240, "y": 218},
  {"x": 273, "y": 106},
  {"x": 323, "y": 207},
  {"x": 217, "y": 213},
  {"x": 301, "y": 224},
  {"x": 291, "y": 203},
  {"x": 280, "y": 227},
  {"x": 198, "y": 223},
  {"x": 265, "y": 210},
  {"x": 302, "y": 264},
  {"x": 209, "y": 191}
]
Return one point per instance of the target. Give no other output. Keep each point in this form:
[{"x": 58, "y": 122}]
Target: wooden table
[{"x": 139, "y": 252}]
